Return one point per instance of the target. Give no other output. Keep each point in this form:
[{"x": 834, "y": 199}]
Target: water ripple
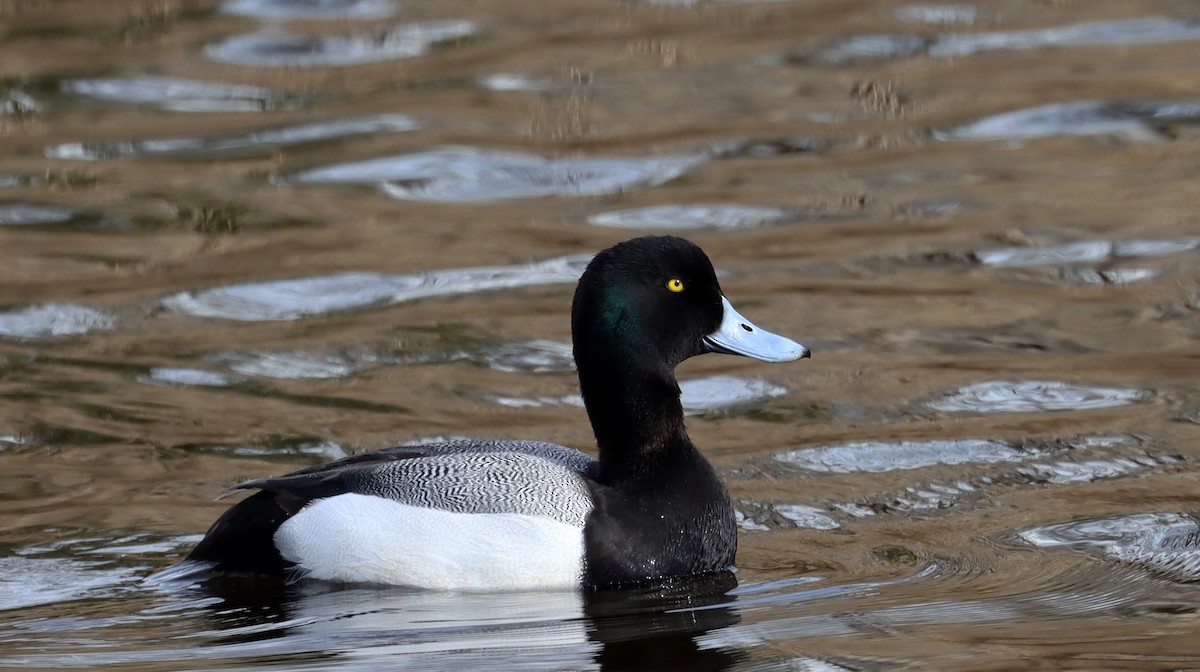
[
  {"x": 1110, "y": 276},
  {"x": 31, "y": 581},
  {"x": 1057, "y": 462},
  {"x": 162, "y": 375},
  {"x": 508, "y": 81},
  {"x": 934, "y": 496},
  {"x": 1167, "y": 543},
  {"x": 468, "y": 174},
  {"x": 278, "y": 49},
  {"x": 698, "y": 395},
  {"x": 1138, "y": 120},
  {"x": 757, "y": 517},
  {"x": 306, "y": 297},
  {"x": 26, "y": 214},
  {"x": 938, "y": 14},
  {"x": 265, "y": 140},
  {"x": 878, "y": 457},
  {"x": 293, "y": 364},
  {"x": 1151, "y": 30},
  {"x": 178, "y": 95},
  {"x": 1090, "y": 251},
  {"x": 693, "y": 216},
  {"x": 52, "y": 320},
  {"x": 1025, "y": 396},
  {"x": 287, "y": 10},
  {"x": 536, "y": 356},
  {"x": 1087, "y": 261}
]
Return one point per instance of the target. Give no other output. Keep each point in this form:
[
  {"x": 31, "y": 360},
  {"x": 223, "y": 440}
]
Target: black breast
[{"x": 674, "y": 521}]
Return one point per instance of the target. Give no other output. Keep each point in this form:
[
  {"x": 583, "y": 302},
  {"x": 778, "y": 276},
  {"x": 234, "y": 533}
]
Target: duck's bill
[{"x": 739, "y": 336}]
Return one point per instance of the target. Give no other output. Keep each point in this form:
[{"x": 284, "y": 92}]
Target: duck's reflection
[
  {"x": 657, "y": 628},
  {"x": 652, "y": 628}
]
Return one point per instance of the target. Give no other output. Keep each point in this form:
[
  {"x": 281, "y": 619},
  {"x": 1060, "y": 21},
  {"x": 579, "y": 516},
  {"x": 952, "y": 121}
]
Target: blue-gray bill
[{"x": 739, "y": 336}]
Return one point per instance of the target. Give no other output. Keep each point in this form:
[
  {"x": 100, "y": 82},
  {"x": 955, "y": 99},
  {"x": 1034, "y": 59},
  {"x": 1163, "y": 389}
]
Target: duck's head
[{"x": 649, "y": 303}]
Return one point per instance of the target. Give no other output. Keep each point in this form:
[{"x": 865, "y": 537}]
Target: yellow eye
[{"x": 675, "y": 285}]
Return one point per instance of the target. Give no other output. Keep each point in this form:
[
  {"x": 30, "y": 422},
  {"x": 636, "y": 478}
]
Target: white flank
[{"x": 363, "y": 539}]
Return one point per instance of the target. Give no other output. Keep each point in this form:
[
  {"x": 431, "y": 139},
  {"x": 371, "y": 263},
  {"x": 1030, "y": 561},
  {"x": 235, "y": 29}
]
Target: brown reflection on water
[{"x": 875, "y": 266}]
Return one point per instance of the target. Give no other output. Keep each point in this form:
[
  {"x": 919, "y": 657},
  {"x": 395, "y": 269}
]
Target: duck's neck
[{"x": 636, "y": 416}]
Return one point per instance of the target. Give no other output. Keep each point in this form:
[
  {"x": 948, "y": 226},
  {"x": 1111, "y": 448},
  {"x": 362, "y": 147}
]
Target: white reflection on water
[
  {"x": 305, "y": 297},
  {"x": 472, "y": 175},
  {"x": 1057, "y": 462},
  {"x": 882, "y": 456},
  {"x": 1150, "y": 30},
  {"x": 279, "y": 49},
  {"x": 162, "y": 375},
  {"x": 52, "y": 320},
  {"x": 1164, "y": 542},
  {"x": 1137, "y": 120},
  {"x": 698, "y": 395},
  {"x": 691, "y": 216},
  {"x": 1025, "y": 396},
  {"x": 179, "y": 95},
  {"x": 1090, "y": 251},
  {"x": 536, "y": 356},
  {"x": 803, "y": 515},
  {"x": 28, "y": 214},
  {"x": 292, "y": 364},
  {"x": 265, "y": 139},
  {"x": 30, "y": 581},
  {"x": 284, "y": 10},
  {"x": 508, "y": 81},
  {"x": 938, "y": 14}
]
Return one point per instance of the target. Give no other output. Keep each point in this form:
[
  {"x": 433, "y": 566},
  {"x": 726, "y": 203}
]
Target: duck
[{"x": 495, "y": 515}]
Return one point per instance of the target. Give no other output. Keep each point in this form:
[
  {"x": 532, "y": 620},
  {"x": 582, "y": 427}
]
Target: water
[
  {"x": 242, "y": 237},
  {"x": 283, "y": 50}
]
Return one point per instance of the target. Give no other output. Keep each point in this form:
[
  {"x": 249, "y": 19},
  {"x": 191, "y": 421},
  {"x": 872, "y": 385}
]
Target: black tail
[{"x": 242, "y": 539}]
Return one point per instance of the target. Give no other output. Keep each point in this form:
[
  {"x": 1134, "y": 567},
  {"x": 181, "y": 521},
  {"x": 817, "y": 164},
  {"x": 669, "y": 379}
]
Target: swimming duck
[{"x": 509, "y": 515}]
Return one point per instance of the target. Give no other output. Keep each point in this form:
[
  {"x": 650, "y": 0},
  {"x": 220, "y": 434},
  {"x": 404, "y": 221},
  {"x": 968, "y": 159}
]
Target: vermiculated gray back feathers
[
  {"x": 567, "y": 457},
  {"x": 521, "y": 477},
  {"x": 485, "y": 483}
]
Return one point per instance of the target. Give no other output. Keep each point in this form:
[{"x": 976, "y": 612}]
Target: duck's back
[{"x": 340, "y": 520}]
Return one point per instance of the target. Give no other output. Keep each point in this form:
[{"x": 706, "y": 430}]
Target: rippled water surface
[{"x": 242, "y": 237}]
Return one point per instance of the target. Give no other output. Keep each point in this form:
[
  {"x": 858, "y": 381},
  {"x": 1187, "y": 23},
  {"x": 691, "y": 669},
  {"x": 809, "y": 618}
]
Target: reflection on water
[
  {"x": 697, "y": 395},
  {"x": 280, "y": 50},
  {"x": 1165, "y": 542},
  {"x": 258, "y": 622},
  {"x": 1150, "y": 30},
  {"x": 1023, "y": 396},
  {"x": 22, "y": 214},
  {"x": 304, "y": 297},
  {"x": 52, "y": 321},
  {"x": 468, "y": 174},
  {"x": 708, "y": 624},
  {"x": 1136, "y": 120},
  {"x": 291, "y": 364},
  {"x": 27, "y": 582},
  {"x": 878, "y": 456},
  {"x": 260, "y": 141},
  {"x": 284, "y": 10},
  {"x": 178, "y": 95},
  {"x": 162, "y": 375},
  {"x": 690, "y": 217},
  {"x": 1084, "y": 252},
  {"x": 939, "y": 14},
  {"x": 240, "y": 237}
]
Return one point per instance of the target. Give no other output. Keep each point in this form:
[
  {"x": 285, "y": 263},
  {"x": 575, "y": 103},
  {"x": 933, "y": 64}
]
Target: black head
[
  {"x": 641, "y": 308},
  {"x": 646, "y": 303}
]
